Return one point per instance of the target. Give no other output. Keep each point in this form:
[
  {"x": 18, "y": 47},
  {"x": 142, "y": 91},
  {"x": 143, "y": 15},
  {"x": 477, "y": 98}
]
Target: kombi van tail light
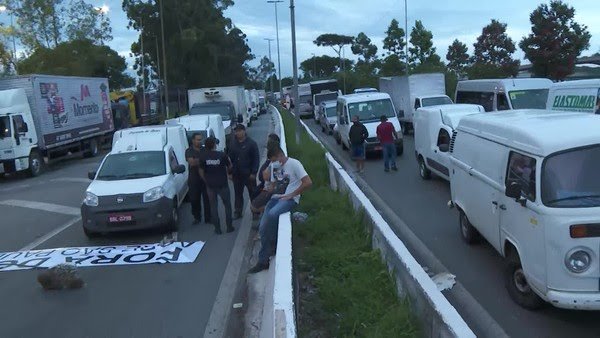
[{"x": 584, "y": 230}]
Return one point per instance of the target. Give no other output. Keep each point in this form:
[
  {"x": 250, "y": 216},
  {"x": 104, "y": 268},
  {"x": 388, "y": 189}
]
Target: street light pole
[
  {"x": 271, "y": 71},
  {"x": 162, "y": 31},
  {"x": 143, "y": 68},
  {"x": 314, "y": 74},
  {"x": 275, "y": 2},
  {"x": 406, "y": 32},
  {"x": 295, "y": 71}
]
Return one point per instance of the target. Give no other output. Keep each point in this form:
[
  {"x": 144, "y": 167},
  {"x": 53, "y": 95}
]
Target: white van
[
  {"x": 535, "y": 198},
  {"x": 504, "y": 94},
  {"x": 207, "y": 125},
  {"x": 369, "y": 107},
  {"x": 140, "y": 184},
  {"x": 327, "y": 116},
  {"x": 580, "y": 96},
  {"x": 434, "y": 127}
]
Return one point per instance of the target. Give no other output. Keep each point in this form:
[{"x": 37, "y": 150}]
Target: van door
[
  {"x": 438, "y": 154},
  {"x": 179, "y": 180},
  {"x": 344, "y": 125},
  {"x": 521, "y": 223}
]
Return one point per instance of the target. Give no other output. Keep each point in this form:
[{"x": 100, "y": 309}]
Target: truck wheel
[
  {"x": 93, "y": 149},
  {"x": 517, "y": 286},
  {"x": 423, "y": 171},
  {"x": 35, "y": 164},
  {"x": 468, "y": 233}
]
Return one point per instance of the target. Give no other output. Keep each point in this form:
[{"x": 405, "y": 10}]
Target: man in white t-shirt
[{"x": 283, "y": 169}]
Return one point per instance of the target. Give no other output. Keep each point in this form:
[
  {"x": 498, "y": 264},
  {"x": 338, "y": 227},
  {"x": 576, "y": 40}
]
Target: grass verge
[{"x": 345, "y": 288}]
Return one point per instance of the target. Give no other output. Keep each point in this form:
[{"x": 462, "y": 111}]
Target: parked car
[{"x": 327, "y": 116}]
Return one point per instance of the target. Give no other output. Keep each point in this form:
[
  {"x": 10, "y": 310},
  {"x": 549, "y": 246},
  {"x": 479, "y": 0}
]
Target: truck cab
[{"x": 504, "y": 94}]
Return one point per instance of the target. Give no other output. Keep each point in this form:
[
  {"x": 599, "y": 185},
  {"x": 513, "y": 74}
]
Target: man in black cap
[
  {"x": 197, "y": 187},
  {"x": 244, "y": 155},
  {"x": 213, "y": 170}
]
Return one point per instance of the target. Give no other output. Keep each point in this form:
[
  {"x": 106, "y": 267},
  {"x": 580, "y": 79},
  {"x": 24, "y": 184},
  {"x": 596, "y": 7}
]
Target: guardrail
[{"x": 439, "y": 317}]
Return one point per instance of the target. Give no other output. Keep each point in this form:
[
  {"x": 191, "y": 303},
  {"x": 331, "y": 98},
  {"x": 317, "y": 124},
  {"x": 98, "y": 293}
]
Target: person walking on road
[
  {"x": 358, "y": 135},
  {"x": 386, "y": 134},
  {"x": 214, "y": 169},
  {"x": 245, "y": 159},
  {"x": 284, "y": 169},
  {"x": 197, "y": 186}
]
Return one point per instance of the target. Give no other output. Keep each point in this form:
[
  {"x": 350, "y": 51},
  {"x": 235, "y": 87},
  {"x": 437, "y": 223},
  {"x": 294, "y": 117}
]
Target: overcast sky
[{"x": 448, "y": 20}]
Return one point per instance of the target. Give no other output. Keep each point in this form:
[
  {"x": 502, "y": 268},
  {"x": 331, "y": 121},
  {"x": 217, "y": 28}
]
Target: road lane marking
[
  {"x": 21, "y": 186},
  {"x": 49, "y": 235},
  {"x": 56, "y": 208},
  {"x": 72, "y": 179}
]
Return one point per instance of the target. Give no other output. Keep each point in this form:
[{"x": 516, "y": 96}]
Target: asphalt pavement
[
  {"x": 167, "y": 300},
  {"x": 422, "y": 205}
]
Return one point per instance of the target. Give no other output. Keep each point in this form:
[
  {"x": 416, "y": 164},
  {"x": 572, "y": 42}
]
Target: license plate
[
  {"x": 378, "y": 148},
  {"x": 120, "y": 218}
]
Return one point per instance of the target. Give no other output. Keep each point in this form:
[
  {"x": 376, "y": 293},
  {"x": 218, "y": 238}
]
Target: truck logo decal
[
  {"x": 570, "y": 102},
  {"x": 120, "y": 199}
]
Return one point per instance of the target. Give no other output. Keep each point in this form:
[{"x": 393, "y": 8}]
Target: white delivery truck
[
  {"x": 206, "y": 125},
  {"x": 410, "y": 93},
  {"x": 140, "y": 184},
  {"x": 323, "y": 90},
  {"x": 504, "y": 94},
  {"x": 304, "y": 106},
  {"x": 229, "y": 102},
  {"x": 254, "y": 102},
  {"x": 535, "y": 198},
  {"x": 434, "y": 127},
  {"x": 580, "y": 96},
  {"x": 44, "y": 117}
]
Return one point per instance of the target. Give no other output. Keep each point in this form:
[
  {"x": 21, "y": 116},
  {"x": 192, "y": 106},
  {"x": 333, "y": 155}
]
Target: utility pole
[
  {"x": 295, "y": 69},
  {"x": 143, "y": 68},
  {"x": 162, "y": 31},
  {"x": 314, "y": 66},
  {"x": 275, "y": 2},
  {"x": 271, "y": 71},
  {"x": 406, "y": 32},
  {"x": 158, "y": 73}
]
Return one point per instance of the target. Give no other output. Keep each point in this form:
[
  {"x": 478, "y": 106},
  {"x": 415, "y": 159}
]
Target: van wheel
[
  {"x": 423, "y": 171},
  {"x": 468, "y": 232},
  {"x": 93, "y": 149},
  {"x": 36, "y": 164},
  {"x": 174, "y": 223},
  {"x": 517, "y": 286}
]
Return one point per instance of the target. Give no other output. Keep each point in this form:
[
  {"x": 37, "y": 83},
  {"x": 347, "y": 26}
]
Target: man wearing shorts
[{"x": 358, "y": 135}]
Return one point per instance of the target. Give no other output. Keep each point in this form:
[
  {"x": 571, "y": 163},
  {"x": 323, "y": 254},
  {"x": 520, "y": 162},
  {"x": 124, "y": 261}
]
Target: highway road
[
  {"x": 167, "y": 300},
  {"x": 422, "y": 205}
]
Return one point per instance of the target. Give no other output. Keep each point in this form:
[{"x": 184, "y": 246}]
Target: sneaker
[
  {"x": 259, "y": 267},
  {"x": 230, "y": 229},
  {"x": 394, "y": 168}
]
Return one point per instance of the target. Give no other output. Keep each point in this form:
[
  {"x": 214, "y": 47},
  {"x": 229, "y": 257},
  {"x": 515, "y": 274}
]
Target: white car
[
  {"x": 327, "y": 116},
  {"x": 140, "y": 184},
  {"x": 207, "y": 125},
  {"x": 527, "y": 181}
]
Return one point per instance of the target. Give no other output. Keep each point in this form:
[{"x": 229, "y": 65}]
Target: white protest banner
[{"x": 175, "y": 252}]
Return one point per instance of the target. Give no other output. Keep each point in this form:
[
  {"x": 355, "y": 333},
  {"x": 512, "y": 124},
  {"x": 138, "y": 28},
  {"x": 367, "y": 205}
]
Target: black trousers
[
  {"x": 225, "y": 195},
  {"x": 239, "y": 183},
  {"x": 198, "y": 196}
]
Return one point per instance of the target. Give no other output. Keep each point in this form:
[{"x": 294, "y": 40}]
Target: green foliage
[
  {"x": 79, "y": 58},
  {"x": 556, "y": 40},
  {"x": 362, "y": 46},
  {"x": 321, "y": 66},
  {"x": 493, "y": 53},
  {"x": 40, "y": 22},
  {"x": 335, "y": 41},
  {"x": 394, "y": 41},
  {"x": 86, "y": 23},
  {"x": 422, "y": 50},
  {"x": 348, "y": 291},
  {"x": 203, "y": 47},
  {"x": 392, "y": 65},
  {"x": 457, "y": 57}
]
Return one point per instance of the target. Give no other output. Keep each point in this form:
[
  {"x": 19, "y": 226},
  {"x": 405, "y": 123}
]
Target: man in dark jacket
[
  {"x": 197, "y": 187},
  {"x": 357, "y": 136},
  {"x": 245, "y": 159},
  {"x": 213, "y": 169}
]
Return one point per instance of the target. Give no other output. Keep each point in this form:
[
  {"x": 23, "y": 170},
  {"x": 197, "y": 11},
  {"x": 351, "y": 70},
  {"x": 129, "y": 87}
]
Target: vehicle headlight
[
  {"x": 90, "y": 199},
  {"x": 578, "y": 261},
  {"x": 153, "y": 194}
]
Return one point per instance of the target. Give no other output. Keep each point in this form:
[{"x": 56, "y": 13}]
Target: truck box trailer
[
  {"x": 44, "y": 117},
  {"x": 206, "y": 101}
]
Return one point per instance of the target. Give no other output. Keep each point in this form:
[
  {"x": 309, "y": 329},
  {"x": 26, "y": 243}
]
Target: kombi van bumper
[
  {"x": 574, "y": 300},
  {"x": 130, "y": 214}
]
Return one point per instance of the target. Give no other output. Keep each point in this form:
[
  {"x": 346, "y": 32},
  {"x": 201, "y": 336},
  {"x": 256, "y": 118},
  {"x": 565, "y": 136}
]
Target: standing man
[
  {"x": 245, "y": 159},
  {"x": 358, "y": 135},
  {"x": 291, "y": 170},
  {"x": 197, "y": 186},
  {"x": 213, "y": 169},
  {"x": 386, "y": 134}
]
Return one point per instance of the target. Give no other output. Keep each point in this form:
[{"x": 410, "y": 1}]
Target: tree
[
  {"x": 203, "y": 47},
  {"x": 422, "y": 50},
  {"x": 335, "y": 41},
  {"x": 457, "y": 57},
  {"x": 40, "y": 22},
  {"x": 79, "y": 58},
  {"x": 362, "y": 46},
  {"x": 394, "y": 40},
  {"x": 87, "y": 22},
  {"x": 556, "y": 41},
  {"x": 493, "y": 53}
]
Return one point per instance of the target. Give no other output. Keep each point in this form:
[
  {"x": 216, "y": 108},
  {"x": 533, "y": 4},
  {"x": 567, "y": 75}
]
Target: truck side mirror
[
  {"x": 513, "y": 190},
  {"x": 444, "y": 147},
  {"x": 91, "y": 175}
]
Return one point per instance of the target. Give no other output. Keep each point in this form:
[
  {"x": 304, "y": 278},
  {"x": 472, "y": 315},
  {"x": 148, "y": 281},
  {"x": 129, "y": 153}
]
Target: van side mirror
[
  {"x": 91, "y": 175},
  {"x": 444, "y": 147},
  {"x": 180, "y": 169},
  {"x": 513, "y": 190}
]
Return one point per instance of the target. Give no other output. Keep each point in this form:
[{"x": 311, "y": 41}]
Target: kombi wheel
[
  {"x": 423, "y": 171},
  {"x": 468, "y": 233},
  {"x": 517, "y": 286}
]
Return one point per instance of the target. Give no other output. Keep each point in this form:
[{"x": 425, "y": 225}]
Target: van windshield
[
  {"x": 133, "y": 165},
  {"x": 331, "y": 112},
  {"x": 325, "y": 97},
  {"x": 371, "y": 110},
  {"x": 190, "y": 134},
  {"x": 4, "y": 126},
  {"x": 223, "y": 110},
  {"x": 570, "y": 179},
  {"x": 435, "y": 101},
  {"x": 528, "y": 99}
]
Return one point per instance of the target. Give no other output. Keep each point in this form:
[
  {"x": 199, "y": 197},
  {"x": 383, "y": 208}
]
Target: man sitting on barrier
[{"x": 282, "y": 168}]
